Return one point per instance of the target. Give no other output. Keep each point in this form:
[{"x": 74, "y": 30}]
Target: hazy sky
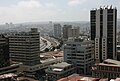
[{"x": 18, "y": 11}]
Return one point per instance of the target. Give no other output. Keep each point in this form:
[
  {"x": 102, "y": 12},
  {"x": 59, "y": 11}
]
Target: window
[{"x": 74, "y": 45}]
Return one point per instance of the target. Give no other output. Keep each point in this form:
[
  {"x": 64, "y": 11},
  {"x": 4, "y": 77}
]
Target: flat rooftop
[
  {"x": 51, "y": 54},
  {"x": 114, "y": 62},
  {"x": 50, "y": 59},
  {"x": 110, "y": 62},
  {"x": 25, "y": 79},
  {"x": 77, "y": 77},
  {"x": 61, "y": 65},
  {"x": 5, "y": 76},
  {"x": 103, "y": 64},
  {"x": 14, "y": 64}
]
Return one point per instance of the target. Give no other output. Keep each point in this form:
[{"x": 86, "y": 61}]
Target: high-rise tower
[
  {"x": 103, "y": 32},
  {"x": 65, "y": 31},
  {"x": 57, "y": 30}
]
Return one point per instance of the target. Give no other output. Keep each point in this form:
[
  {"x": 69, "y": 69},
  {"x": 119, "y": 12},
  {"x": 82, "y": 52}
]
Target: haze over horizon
[{"x": 19, "y": 11}]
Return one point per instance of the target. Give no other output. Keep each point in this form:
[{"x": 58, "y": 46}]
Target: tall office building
[
  {"x": 69, "y": 31},
  {"x": 80, "y": 53},
  {"x": 25, "y": 47},
  {"x": 65, "y": 31},
  {"x": 103, "y": 32},
  {"x": 73, "y": 32},
  {"x": 57, "y": 30},
  {"x": 4, "y": 51}
]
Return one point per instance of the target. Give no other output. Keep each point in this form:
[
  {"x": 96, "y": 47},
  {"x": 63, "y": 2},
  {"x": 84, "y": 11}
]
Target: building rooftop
[
  {"x": 110, "y": 61},
  {"x": 10, "y": 75},
  {"x": 76, "y": 77},
  {"x": 23, "y": 33},
  {"x": 104, "y": 7},
  {"x": 79, "y": 40},
  {"x": 103, "y": 64},
  {"x": 53, "y": 54},
  {"x": 13, "y": 64},
  {"x": 50, "y": 59},
  {"x": 61, "y": 65},
  {"x": 25, "y": 79}
]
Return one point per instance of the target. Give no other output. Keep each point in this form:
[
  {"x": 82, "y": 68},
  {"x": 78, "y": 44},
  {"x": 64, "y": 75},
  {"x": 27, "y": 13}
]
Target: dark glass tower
[{"x": 103, "y": 31}]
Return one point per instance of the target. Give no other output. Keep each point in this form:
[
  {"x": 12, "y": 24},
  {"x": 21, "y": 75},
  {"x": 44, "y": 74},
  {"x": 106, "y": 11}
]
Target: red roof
[{"x": 71, "y": 78}]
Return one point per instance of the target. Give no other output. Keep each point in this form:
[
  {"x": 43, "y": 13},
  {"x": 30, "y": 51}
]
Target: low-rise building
[
  {"x": 50, "y": 58},
  {"x": 77, "y": 77},
  {"x": 50, "y": 61},
  {"x": 108, "y": 69},
  {"x": 59, "y": 70},
  {"x": 44, "y": 64},
  {"x": 15, "y": 77},
  {"x": 8, "y": 77},
  {"x": 13, "y": 68},
  {"x": 26, "y": 79},
  {"x": 52, "y": 54}
]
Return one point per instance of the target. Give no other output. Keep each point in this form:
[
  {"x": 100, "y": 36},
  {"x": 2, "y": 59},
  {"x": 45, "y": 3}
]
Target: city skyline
[
  {"x": 18, "y": 11},
  {"x": 47, "y": 40}
]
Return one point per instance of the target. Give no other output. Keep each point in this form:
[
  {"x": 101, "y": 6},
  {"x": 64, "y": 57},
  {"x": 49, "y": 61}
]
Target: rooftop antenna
[
  {"x": 107, "y": 6},
  {"x": 100, "y": 7},
  {"x": 111, "y": 7},
  {"x": 104, "y": 7}
]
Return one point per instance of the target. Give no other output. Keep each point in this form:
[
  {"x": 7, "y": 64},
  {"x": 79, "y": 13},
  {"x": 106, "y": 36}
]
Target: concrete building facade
[
  {"x": 108, "y": 69},
  {"x": 57, "y": 30},
  {"x": 65, "y": 31},
  {"x": 103, "y": 31},
  {"x": 73, "y": 32},
  {"x": 25, "y": 47},
  {"x": 80, "y": 53},
  {"x": 59, "y": 70},
  {"x": 4, "y": 51}
]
